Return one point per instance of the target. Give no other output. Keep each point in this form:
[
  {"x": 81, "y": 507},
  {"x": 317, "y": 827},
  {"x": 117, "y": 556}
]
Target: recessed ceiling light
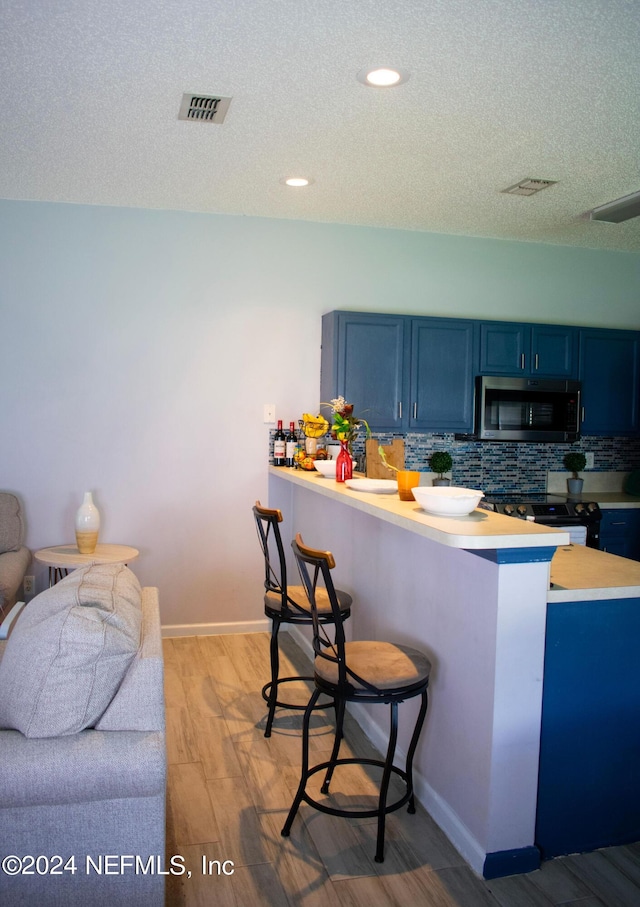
[
  {"x": 296, "y": 182},
  {"x": 382, "y": 77}
]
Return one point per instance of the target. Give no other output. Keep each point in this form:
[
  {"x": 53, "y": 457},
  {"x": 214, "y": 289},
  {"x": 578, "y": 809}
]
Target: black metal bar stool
[
  {"x": 285, "y": 604},
  {"x": 356, "y": 672}
]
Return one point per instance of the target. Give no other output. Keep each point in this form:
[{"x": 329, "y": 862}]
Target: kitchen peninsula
[{"x": 472, "y": 593}]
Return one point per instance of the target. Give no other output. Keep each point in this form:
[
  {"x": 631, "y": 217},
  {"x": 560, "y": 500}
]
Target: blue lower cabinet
[
  {"x": 589, "y": 781},
  {"x": 620, "y": 532}
]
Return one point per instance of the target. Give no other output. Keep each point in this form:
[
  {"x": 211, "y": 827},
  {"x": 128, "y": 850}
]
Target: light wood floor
[{"x": 230, "y": 790}]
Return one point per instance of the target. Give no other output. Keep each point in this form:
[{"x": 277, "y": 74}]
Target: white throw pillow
[{"x": 69, "y": 651}]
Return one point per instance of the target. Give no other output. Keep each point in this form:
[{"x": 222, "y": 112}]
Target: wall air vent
[
  {"x": 203, "y": 108},
  {"x": 528, "y": 187}
]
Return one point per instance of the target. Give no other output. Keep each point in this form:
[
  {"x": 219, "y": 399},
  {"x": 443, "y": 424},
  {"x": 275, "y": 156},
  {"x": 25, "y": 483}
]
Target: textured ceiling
[{"x": 499, "y": 90}]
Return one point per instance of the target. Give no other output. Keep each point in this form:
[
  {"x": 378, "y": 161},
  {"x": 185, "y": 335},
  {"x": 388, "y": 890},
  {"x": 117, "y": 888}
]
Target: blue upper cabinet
[
  {"x": 610, "y": 375},
  {"x": 443, "y": 365},
  {"x": 401, "y": 373},
  {"x": 363, "y": 360},
  {"x": 504, "y": 347},
  {"x": 417, "y": 374},
  {"x": 528, "y": 350},
  {"x": 554, "y": 351}
]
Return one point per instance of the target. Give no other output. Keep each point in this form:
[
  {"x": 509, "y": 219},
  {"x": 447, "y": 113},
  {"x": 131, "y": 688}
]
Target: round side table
[{"x": 63, "y": 558}]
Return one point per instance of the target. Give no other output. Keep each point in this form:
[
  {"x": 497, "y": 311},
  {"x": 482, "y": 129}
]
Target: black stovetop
[{"x": 516, "y": 497}]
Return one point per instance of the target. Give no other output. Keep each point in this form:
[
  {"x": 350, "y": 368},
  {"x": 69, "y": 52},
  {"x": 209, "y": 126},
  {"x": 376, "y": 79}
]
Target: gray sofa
[
  {"x": 82, "y": 745},
  {"x": 14, "y": 557}
]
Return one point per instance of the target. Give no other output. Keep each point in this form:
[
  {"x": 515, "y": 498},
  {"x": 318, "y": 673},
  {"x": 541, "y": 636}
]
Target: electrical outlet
[
  {"x": 29, "y": 585},
  {"x": 590, "y": 464}
]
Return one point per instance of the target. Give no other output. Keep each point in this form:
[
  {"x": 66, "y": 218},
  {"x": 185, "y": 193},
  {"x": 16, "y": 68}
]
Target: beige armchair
[{"x": 14, "y": 557}]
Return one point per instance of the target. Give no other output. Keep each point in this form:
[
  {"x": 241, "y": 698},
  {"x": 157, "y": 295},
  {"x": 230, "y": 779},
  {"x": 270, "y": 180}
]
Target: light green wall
[{"x": 140, "y": 346}]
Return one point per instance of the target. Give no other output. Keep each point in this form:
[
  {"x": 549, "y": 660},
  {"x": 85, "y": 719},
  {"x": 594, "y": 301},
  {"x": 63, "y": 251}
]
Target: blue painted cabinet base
[
  {"x": 511, "y": 862},
  {"x": 589, "y": 781}
]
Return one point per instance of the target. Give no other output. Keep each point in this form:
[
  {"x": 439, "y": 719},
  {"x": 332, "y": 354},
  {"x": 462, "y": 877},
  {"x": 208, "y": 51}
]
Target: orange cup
[{"x": 407, "y": 479}]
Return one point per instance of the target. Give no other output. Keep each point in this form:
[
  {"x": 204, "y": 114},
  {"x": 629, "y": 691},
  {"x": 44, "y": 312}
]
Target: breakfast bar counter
[
  {"x": 481, "y": 529},
  {"x": 473, "y": 594}
]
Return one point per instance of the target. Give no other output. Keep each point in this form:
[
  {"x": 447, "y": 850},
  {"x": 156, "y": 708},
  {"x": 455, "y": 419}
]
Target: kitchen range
[{"x": 581, "y": 519}]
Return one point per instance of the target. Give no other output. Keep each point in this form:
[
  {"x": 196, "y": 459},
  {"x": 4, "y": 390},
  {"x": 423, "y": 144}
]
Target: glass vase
[{"x": 344, "y": 463}]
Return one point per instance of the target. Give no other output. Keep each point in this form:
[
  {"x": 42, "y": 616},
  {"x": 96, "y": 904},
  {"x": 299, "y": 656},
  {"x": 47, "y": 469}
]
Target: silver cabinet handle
[
  {"x": 521, "y": 360},
  {"x": 536, "y": 362},
  {"x": 399, "y": 409},
  {"x": 415, "y": 410},
  {"x": 582, "y": 414}
]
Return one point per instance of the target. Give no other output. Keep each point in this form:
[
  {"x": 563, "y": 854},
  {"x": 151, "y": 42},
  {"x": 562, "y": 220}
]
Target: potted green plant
[
  {"x": 440, "y": 462},
  {"x": 575, "y": 461}
]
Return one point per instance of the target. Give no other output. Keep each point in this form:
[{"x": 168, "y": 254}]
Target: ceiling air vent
[
  {"x": 204, "y": 108},
  {"x": 529, "y": 187}
]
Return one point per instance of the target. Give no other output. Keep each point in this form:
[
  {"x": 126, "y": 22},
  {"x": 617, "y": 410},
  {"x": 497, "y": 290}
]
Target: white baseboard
[
  {"x": 218, "y": 629},
  {"x": 438, "y": 809}
]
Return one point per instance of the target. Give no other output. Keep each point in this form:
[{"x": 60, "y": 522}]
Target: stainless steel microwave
[{"x": 527, "y": 409}]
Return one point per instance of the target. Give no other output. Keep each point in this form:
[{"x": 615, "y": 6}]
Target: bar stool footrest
[
  {"x": 361, "y": 813},
  {"x": 328, "y": 703}
]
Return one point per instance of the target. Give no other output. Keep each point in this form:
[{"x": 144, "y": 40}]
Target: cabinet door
[
  {"x": 554, "y": 351},
  {"x": 363, "y": 360},
  {"x": 610, "y": 375},
  {"x": 442, "y": 369},
  {"x": 588, "y": 795},
  {"x": 504, "y": 348},
  {"x": 620, "y": 532}
]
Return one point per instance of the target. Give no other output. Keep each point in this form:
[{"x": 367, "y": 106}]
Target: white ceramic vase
[{"x": 87, "y": 525}]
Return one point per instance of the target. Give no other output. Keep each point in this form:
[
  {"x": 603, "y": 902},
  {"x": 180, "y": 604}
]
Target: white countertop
[
  {"x": 585, "y": 574},
  {"x": 480, "y": 530},
  {"x": 605, "y": 488},
  {"x": 610, "y": 500}
]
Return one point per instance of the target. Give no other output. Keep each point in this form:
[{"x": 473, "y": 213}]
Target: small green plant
[
  {"x": 575, "y": 462},
  {"x": 440, "y": 461}
]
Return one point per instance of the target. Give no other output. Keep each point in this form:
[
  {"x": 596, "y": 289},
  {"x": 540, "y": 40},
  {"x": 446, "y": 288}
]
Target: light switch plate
[{"x": 269, "y": 412}]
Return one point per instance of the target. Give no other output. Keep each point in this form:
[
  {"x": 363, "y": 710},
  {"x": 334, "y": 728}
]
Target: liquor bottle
[
  {"x": 279, "y": 446},
  {"x": 290, "y": 446}
]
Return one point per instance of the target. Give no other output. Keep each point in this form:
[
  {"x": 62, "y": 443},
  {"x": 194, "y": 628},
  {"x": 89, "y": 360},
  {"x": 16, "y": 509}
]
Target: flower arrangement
[{"x": 345, "y": 426}]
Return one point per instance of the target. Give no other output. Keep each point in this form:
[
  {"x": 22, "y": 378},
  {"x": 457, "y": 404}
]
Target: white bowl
[
  {"x": 447, "y": 500},
  {"x": 326, "y": 467}
]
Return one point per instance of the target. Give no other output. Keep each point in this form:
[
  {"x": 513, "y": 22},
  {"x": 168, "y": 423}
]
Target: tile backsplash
[
  {"x": 498, "y": 467},
  {"x": 503, "y": 467}
]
